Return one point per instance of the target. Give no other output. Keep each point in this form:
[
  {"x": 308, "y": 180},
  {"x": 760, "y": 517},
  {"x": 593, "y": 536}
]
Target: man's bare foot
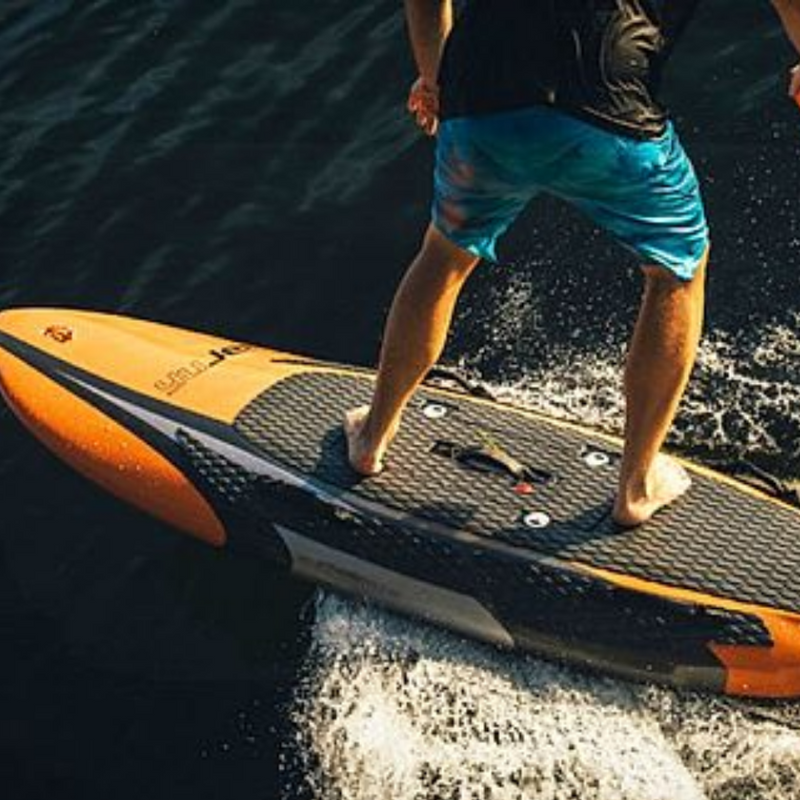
[
  {"x": 667, "y": 481},
  {"x": 365, "y": 455}
]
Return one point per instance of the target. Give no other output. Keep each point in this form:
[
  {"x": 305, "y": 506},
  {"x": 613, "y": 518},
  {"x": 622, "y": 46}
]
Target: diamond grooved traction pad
[{"x": 716, "y": 539}]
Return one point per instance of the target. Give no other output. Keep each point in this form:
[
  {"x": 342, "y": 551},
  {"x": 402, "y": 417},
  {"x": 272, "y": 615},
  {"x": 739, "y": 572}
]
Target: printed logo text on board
[{"x": 177, "y": 378}]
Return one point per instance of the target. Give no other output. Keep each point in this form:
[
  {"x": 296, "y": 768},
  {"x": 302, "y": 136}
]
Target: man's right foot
[
  {"x": 667, "y": 481},
  {"x": 365, "y": 457}
]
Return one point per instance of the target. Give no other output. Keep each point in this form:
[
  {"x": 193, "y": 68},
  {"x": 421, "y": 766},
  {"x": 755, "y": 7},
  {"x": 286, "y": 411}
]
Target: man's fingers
[
  {"x": 425, "y": 116},
  {"x": 428, "y": 122},
  {"x": 415, "y": 101},
  {"x": 794, "y": 83}
]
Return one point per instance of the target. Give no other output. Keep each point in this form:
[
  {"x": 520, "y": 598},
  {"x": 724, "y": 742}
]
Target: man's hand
[
  {"x": 429, "y": 25},
  {"x": 423, "y": 103},
  {"x": 794, "y": 84},
  {"x": 789, "y": 12}
]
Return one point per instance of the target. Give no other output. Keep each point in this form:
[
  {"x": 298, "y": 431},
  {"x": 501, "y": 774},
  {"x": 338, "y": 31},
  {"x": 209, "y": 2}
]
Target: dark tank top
[{"x": 598, "y": 59}]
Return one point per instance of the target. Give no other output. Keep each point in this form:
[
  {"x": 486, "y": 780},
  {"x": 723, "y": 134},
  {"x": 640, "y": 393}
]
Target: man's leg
[
  {"x": 661, "y": 356},
  {"x": 414, "y": 337}
]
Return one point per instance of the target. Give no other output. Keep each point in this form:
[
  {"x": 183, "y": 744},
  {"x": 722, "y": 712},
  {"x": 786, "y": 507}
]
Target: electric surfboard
[{"x": 490, "y": 520}]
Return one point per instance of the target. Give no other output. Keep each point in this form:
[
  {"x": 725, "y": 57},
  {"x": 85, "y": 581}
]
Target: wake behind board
[{"x": 490, "y": 520}]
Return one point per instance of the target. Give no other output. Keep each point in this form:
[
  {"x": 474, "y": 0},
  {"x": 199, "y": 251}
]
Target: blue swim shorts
[{"x": 644, "y": 192}]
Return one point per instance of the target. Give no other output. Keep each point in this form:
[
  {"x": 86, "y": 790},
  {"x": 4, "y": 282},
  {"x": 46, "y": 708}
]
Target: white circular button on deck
[
  {"x": 434, "y": 411},
  {"x": 536, "y": 519},
  {"x": 595, "y": 459}
]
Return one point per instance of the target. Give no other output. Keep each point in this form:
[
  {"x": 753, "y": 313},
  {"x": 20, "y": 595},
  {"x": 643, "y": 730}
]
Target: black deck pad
[{"x": 717, "y": 539}]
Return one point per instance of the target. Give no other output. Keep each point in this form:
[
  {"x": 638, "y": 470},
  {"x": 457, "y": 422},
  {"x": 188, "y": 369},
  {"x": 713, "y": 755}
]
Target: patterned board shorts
[{"x": 644, "y": 192}]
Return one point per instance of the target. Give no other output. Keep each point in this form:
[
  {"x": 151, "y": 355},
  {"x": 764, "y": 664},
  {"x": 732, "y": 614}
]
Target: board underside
[{"x": 717, "y": 540}]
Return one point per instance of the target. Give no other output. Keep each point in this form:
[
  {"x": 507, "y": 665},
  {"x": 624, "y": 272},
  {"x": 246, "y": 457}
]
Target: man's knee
[
  {"x": 662, "y": 278},
  {"x": 445, "y": 254}
]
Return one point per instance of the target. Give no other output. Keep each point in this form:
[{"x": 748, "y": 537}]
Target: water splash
[
  {"x": 391, "y": 708},
  {"x": 743, "y": 400}
]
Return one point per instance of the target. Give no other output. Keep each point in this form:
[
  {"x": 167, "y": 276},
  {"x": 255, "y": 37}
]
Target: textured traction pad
[{"x": 717, "y": 539}]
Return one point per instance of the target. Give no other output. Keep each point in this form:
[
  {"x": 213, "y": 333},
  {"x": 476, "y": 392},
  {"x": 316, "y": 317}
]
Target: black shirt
[{"x": 599, "y": 59}]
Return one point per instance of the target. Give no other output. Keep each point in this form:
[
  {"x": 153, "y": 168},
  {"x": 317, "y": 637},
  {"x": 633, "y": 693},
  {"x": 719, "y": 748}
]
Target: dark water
[{"x": 247, "y": 168}]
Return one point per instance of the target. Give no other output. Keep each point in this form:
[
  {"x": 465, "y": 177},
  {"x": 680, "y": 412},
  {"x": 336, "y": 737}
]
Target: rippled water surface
[{"x": 247, "y": 168}]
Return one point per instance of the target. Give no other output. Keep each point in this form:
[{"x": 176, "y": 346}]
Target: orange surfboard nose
[{"x": 92, "y": 442}]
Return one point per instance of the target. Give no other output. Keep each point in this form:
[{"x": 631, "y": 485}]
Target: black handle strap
[
  {"x": 747, "y": 472},
  {"x": 472, "y": 388},
  {"x": 491, "y": 458}
]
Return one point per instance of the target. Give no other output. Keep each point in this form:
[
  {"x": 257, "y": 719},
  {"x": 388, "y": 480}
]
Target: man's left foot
[
  {"x": 364, "y": 456},
  {"x": 666, "y": 482}
]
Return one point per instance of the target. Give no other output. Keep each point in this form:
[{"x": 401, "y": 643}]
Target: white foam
[
  {"x": 396, "y": 709},
  {"x": 392, "y": 708}
]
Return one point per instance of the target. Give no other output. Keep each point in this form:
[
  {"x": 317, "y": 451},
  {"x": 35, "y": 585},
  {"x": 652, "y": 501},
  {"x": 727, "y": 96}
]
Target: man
[{"x": 560, "y": 96}]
